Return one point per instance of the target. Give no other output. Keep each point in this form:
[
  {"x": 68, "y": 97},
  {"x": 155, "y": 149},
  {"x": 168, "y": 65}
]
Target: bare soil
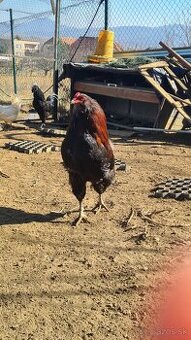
[{"x": 96, "y": 281}]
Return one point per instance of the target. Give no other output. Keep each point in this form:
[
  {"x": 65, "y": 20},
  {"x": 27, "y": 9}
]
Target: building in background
[
  {"x": 48, "y": 47},
  {"x": 26, "y": 47}
]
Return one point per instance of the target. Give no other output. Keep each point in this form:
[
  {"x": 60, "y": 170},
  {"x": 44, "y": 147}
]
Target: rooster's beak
[{"x": 75, "y": 101}]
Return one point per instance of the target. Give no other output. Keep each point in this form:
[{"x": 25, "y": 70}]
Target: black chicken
[
  {"x": 87, "y": 151},
  {"x": 42, "y": 106}
]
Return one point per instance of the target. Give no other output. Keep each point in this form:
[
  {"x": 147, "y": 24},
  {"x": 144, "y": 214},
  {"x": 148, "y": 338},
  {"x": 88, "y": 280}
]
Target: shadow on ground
[{"x": 16, "y": 216}]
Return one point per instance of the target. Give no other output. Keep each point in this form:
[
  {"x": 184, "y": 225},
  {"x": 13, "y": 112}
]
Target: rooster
[
  {"x": 9, "y": 113},
  {"x": 87, "y": 151},
  {"x": 41, "y": 105}
]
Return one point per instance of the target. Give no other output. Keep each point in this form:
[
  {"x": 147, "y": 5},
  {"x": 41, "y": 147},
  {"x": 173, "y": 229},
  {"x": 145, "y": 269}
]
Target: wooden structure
[
  {"x": 172, "y": 114},
  {"x": 131, "y": 93},
  {"x": 169, "y": 107},
  {"x": 123, "y": 93}
]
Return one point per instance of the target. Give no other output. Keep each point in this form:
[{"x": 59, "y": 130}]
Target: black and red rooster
[{"x": 87, "y": 151}]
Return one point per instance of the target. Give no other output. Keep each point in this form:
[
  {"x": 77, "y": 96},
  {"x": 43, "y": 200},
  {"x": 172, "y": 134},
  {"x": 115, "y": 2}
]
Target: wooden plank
[
  {"x": 131, "y": 93},
  {"x": 175, "y": 121},
  {"x": 172, "y": 61},
  {"x": 181, "y": 60},
  {"x": 156, "y": 64},
  {"x": 185, "y": 102},
  {"x": 166, "y": 95},
  {"x": 163, "y": 115},
  {"x": 164, "y": 64}
]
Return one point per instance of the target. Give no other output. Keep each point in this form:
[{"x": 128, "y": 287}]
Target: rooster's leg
[
  {"x": 81, "y": 216},
  {"x": 100, "y": 205}
]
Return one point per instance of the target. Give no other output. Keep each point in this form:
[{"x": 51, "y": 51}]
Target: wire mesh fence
[
  {"x": 33, "y": 64},
  {"x": 141, "y": 24},
  {"x": 138, "y": 25},
  {"x": 80, "y": 23}
]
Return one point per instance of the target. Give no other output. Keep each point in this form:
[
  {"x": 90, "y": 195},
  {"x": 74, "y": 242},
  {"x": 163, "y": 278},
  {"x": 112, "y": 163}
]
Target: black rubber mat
[
  {"x": 179, "y": 189},
  {"x": 31, "y": 147},
  {"x": 52, "y": 132},
  {"x": 120, "y": 165}
]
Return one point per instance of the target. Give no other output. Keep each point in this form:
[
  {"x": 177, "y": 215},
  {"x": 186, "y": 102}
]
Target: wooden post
[{"x": 181, "y": 60}]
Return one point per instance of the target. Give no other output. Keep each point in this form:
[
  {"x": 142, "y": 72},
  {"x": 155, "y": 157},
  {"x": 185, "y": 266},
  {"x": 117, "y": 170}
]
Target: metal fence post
[
  {"x": 56, "y": 41},
  {"x": 13, "y": 52},
  {"x": 106, "y": 14}
]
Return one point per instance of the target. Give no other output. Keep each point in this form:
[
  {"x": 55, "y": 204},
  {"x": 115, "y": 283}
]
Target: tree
[
  {"x": 185, "y": 27},
  {"x": 3, "y": 47},
  {"x": 63, "y": 53},
  {"x": 169, "y": 34},
  {"x": 18, "y": 37}
]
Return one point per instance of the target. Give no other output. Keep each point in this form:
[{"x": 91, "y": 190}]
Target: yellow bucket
[{"x": 104, "y": 49}]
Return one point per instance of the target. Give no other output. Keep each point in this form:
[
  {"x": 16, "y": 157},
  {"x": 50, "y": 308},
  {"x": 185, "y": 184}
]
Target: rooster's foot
[
  {"x": 100, "y": 205},
  {"x": 79, "y": 219},
  {"x": 81, "y": 216}
]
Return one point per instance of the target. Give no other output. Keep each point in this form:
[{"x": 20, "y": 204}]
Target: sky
[
  {"x": 30, "y": 6},
  {"x": 121, "y": 12}
]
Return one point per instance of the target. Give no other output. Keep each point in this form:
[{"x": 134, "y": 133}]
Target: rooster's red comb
[{"x": 77, "y": 95}]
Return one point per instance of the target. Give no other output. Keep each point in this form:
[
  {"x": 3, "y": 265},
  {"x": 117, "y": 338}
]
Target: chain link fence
[
  {"x": 137, "y": 24},
  {"x": 33, "y": 63},
  {"x": 141, "y": 24}
]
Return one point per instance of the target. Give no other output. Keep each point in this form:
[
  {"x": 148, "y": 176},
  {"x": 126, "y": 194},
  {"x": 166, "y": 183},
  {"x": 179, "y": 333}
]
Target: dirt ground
[{"x": 96, "y": 281}]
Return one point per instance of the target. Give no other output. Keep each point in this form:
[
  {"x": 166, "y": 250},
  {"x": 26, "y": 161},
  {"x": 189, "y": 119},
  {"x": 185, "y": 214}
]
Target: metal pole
[
  {"x": 146, "y": 129},
  {"x": 106, "y": 14},
  {"x": 56, "y": 40},
  {"x": 13, "y": 52}
]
